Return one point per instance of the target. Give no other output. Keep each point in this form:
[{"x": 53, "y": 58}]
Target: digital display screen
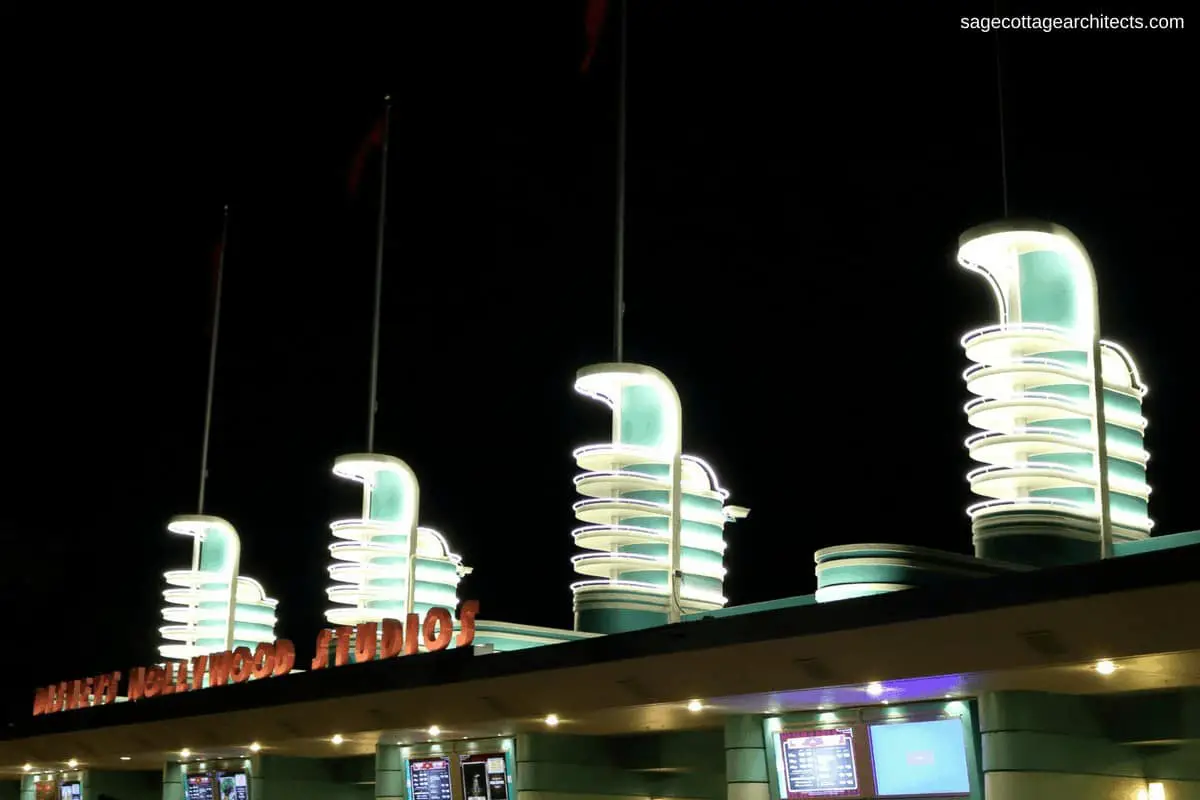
[
  {"x": 429, "y": 779},
  {"x": 71, "y": 791},
  {"x": 199, "y": 787},
  {"x": 485, "y": 776},
  {"x": 920, "y": 758},
  {"x": 819, "y": 763},
  {"x": 232, "y": 786}
]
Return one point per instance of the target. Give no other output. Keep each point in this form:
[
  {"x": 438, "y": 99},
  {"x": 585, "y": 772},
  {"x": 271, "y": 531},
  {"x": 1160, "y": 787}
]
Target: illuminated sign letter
[
  {"x": 438, "y": 629},
  {"x": 321, "y": 656},
  {"x": 365, "y": 641},
  {"x": 285, "y": 657},
  {"x": 264, "y": 661},
  {"x": 341, "y": 650},
  {"x": 393, "y": 639},
  {"x": 466, "y": 617}
]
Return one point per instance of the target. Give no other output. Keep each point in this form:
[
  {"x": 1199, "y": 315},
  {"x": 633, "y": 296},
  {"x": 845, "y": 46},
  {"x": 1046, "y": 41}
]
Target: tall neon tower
[
  {"x": 1037, "y": 406},
  {"x": 384, "y": 565},
  {"x": 213, "y": 607},
  {"x": 654, "y": 517}
]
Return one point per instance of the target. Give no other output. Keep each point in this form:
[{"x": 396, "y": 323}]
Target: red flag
[
  {"x": 369, "y": 145},
  {"x": 593, "y": 24}
]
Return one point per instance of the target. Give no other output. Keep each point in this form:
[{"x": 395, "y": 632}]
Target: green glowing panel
[
  {"x": 388, "y": 500},
  {"x": 1050, "y": 289},
  {"x": 643, "y": 417}
]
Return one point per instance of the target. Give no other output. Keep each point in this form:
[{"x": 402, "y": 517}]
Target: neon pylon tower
[
  {"x": 1036, "y": 407},
  {"x": 654, "y": 517},
  {"x": 213, "y": 607},
  {"x": 384, "y": 565}
]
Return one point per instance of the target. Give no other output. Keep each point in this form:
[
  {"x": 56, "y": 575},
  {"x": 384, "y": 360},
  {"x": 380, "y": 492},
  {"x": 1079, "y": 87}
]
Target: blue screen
[{"x": 915, "y": 758}]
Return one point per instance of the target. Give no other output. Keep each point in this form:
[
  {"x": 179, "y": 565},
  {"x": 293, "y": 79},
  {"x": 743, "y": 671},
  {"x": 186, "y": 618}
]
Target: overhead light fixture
[
  {"x": 337, "y": 738},
  {"x": 1105, "y": 667},
  {"x": 552, "y": 720},
  {"x": 885, "y": 702},
  {"x": 185, "y": 753},
  {"x": 1156, "y": 791},
  {"x": 72, "y": 764},
  {"x": 202, "y": 765},
  {"x": 434, "y": 730},
  {"x": 27, "y": 767},
  {"x": 695, "y": 706},
  {"x": 255, "y": 747},
  {"x": 126, "y": 758},
  {"x": 874, "y": 689}
]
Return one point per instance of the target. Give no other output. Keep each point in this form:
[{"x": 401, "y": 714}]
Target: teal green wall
[
  {"x": 687, "y": 764},
  {"x": 284, "y": 778},
  {"x": 747, "y": 765},
  {"x": 1037, "y": 744},
  {"x": 172, "y": 782}
]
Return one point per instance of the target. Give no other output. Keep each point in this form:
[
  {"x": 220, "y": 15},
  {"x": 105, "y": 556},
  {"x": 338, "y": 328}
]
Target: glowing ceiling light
[
  {"x": 255, "y": 747},
  {"x": 435, "y": 731},
  {"x": 126, "y": 758},
  {"x": 27, "y": 767},
  {"x": 72, "y": 764},
  {"x": 874, "y": 689},
  {"x": 337, "y": 738},
  {"x": 1105, "y": 667},
  {"x": 695, "y": 706},
  {"x": 185, "y": 753},
  {"x": 551, "y": 720},
  {"x": 1156, "y": 791}
]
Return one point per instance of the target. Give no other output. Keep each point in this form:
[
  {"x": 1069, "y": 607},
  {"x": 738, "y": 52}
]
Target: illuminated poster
[
  {"x": 485, "y": 776},
  {"x": 46, "y": 790},
  {"x": 819, "y": 763},
  {"x": 232, "y": 786},
  {"x": 71, "y": 791},
  {"x": 199, "y": 787},
  {"x": 429, "y": 779}
]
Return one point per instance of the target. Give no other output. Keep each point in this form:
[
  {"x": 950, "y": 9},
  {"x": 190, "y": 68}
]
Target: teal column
[
  {"x": 746, "y": 772},
  {"x": 28, "y": 790},
  {"x": 389, "y": 772},
  {"x": 172, "y": 782}
]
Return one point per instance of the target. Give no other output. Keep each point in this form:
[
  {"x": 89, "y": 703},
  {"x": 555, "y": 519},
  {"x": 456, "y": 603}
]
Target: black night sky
[{"x": 796, "y": 187}]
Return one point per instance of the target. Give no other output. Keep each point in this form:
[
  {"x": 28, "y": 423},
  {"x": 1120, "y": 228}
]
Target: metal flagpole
[
  {"x": 379, "y": 240},
  {"x": 212, "y": 369},
  {"x": 1000, "y": 110},
  {"x": 619, "y": 258}
]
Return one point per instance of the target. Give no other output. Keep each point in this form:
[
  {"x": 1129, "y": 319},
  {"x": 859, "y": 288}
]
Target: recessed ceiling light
[
  {"x": 337, "y": 738},
  {"x": 255, "y": 747},
  {"x": 552, "y": 720},
  {"x": 695, "y": 706},
  {"x": 185, "y": 753},
  {"x": 874, "y": 689},
  {"x": 434, "y": 730},
  {"x": 885, "y": 702},
  {"x": 27, "y": 767},
  {"x": 72, "y": 764},
  {"x": 1105, "y": 667},
  {"x": 126, "y": 758}
]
